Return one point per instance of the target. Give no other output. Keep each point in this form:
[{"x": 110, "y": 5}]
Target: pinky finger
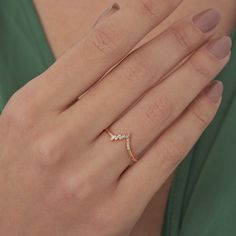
[{"x": 141, "y": 181}]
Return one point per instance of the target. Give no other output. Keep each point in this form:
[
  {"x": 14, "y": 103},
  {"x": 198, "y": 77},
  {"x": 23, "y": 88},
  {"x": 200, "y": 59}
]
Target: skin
[
  {"x": 77, "y": 18},
  {"x": 66, "y": 152},
  {"x": 65, "y": 23}
]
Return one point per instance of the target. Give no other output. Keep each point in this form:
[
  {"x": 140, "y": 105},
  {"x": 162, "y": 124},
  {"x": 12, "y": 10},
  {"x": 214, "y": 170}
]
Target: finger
[
  {"x": 163, "y": 104},
  {"x": 140, "y": 71},
  {"x": 158, "y": 109},
  {"x": 105, "y": 44},
  {"x": 145, "y": 177},
  {"x": 108, "y": 12}
]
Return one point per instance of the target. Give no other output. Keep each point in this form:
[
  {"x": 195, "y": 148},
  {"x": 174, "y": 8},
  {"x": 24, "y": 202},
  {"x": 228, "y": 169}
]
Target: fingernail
[
  {"x": 108, "y": 12},
  {"x": 214, "y": 91},
  {"x": 220, "y": 47},
  {"x": 207, "y": 20}
]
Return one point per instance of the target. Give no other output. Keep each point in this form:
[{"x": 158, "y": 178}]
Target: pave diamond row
[
  {"x": 119, "y": 137},
  {"x": 126, "y": 137}
]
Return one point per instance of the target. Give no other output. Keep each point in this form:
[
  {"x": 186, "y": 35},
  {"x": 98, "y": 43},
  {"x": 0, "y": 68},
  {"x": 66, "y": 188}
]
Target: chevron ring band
[{"x": 121, "y": 137}]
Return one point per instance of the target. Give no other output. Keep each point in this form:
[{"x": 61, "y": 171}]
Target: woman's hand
[{"x": 59, "y": 172}]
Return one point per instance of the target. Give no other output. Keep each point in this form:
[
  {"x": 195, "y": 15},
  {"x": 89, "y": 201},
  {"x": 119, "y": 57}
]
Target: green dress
[{"x": 202, "y": 200}]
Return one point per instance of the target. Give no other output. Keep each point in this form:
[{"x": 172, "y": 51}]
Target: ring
[{"x": 120, "y": 137}]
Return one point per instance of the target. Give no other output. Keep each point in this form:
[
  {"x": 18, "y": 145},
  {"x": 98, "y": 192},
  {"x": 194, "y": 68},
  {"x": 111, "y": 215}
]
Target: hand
[{"x": 59, "y": 172}]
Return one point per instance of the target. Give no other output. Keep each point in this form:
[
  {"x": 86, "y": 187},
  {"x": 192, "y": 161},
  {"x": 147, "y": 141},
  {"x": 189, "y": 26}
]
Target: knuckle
[
  {"x": 159, "y": 111},
  {"x": 200, "y": 116},
  {"x": 199, "y": 68},
  {"x": 105, "y": 39},
  {"x": 173, "y": 151},
  {"x": 137, "y": 70},
  {"x": 48, "y": 150},
  {"x": 156, "y": 10},
  {"x": 76, "y": 187},
  {"x": 20, "y": 110},
  {"x": 180, "y": 36},
  {"x": 149, "y": 7}
]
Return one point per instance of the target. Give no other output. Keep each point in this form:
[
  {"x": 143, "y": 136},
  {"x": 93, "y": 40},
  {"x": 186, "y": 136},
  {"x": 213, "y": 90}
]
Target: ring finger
[{"x": 165, "y": 102}]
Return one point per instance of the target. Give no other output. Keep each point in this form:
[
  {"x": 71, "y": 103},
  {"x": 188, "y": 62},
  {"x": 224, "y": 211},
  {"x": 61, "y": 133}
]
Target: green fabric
[
  {"x": 24, "y": 52},
  {"x": 202, "y": 201}
]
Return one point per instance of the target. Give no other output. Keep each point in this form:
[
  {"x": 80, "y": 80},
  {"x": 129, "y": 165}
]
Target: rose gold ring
[{"x": 120, "y": 137}]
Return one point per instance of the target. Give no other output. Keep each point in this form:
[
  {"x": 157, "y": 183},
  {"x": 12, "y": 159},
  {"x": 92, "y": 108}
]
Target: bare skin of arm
[{"x": 66, "y": 22}]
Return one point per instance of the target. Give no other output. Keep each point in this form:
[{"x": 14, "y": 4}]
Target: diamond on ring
[{"x": 120, "y": 137}]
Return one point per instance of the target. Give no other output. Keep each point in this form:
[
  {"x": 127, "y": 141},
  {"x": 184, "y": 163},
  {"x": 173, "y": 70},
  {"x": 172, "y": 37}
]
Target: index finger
[{"x": 106, "y": 43}]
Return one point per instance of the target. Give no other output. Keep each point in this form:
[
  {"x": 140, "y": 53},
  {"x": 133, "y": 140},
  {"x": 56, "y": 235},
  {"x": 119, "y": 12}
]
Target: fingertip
[
  {"x": 214, "y": 91},
  {"x": 220, "y": 47}
]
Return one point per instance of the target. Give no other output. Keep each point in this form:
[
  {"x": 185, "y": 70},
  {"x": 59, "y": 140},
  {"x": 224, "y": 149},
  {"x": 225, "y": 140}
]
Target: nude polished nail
[
  {"x": 214, "y": 91},
  {"x": 207, "y": 20},
  {"x": 220, "y": 47},
  {"x": 108, "y": 12}
]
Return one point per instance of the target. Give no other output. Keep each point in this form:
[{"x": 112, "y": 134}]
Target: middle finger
[
  {"x": 140, "y": 72},
  {"x": 165, "y": 103}
]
